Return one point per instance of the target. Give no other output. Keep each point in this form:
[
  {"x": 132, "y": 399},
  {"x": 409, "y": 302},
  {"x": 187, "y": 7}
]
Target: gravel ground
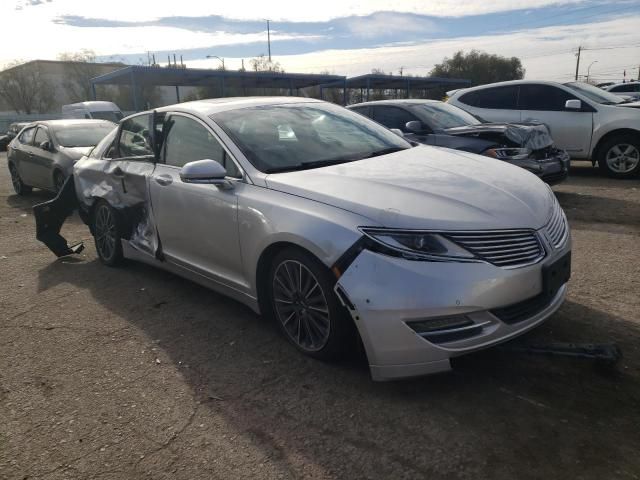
[{"x": 133, "y": 373}]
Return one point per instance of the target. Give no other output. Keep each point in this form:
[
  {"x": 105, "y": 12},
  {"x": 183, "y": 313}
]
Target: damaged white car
[{"x": 329, "y": 223}]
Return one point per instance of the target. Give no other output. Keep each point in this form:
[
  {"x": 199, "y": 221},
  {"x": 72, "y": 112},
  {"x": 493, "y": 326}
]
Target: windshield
[
  {"x": 594, "y": 93},
  {"x": 277, "y": 138},
  {"x": 82, "y": 135},
  {"x": 441, "y": 116},
  {"x": 112, "y": 116}
]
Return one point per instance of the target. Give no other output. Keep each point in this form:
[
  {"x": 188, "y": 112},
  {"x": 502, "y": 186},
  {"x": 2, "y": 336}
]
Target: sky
[{"x": 344, "y": 37}]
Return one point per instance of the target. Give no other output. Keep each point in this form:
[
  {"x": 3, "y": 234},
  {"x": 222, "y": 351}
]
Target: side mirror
[
  {"x": 397, "y": 131},
  {"x": 573, "y": 105},
  {"x": 414, "y": 126},
  {"x": 204, "y": 172},
  {"x": 45, "y": 145}
]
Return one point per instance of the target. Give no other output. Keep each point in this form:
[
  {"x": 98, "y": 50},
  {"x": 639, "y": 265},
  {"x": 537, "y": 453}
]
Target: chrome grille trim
[
  {"x": 557, "y": 227},
  {"x": 503, "y": 248}
]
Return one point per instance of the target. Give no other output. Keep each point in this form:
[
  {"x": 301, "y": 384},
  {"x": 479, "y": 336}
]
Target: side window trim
[{"x": 227, "y": 152}]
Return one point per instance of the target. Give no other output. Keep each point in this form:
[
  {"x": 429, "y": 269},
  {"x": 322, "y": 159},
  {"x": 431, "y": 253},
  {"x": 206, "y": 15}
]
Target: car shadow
[
  {"x": 594, "y": 209},
  {"x": 536, "y": 410},
  {"x": 26, "y": 202}
]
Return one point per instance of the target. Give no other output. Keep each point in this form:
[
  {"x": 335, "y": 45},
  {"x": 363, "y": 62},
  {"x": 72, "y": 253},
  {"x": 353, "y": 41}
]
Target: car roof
[
  {"x": 504, "y": 84},
  {"x": 211, "y": 106},
  {"x": 96, "y": 105},
  {"x": 635, "y": 82},
  {"x": 400, "y": 101},
  {"x": 71, "y": 122}
]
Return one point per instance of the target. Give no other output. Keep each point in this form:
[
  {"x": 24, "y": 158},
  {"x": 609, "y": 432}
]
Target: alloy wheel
[
  {"x": 623, "y": 158},
  {"x": 105, "y": 232},
  {"x": 301, "y": 305}
]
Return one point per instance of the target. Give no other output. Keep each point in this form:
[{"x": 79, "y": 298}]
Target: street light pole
[
  {"x": 589, "y": 69},
  {"x": 219, "y": 58},
  {"x": 269, "y": 39}
]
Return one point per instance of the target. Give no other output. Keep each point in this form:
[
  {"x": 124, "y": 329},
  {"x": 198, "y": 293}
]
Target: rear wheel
[
  {"x": 306, "y": 308},
  {"x": 619, "y": 157},
  {"x": 18, "y": 185},
  {"x": 107, "y": 234}
]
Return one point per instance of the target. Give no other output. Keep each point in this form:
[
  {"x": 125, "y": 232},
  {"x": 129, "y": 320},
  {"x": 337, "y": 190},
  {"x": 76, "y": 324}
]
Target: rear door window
[
  {"x": 500, "y": 98},
  {"x": 543, "y": 98}
]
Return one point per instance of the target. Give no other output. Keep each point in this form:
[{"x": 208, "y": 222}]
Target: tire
[
  {"x": 18, "y": 185},
  {"x": 619, "y": 156},
  {"x": 58, "y": 180},
  {"x": 305, "y": 307},
  {"x": 107, "y": 232}
]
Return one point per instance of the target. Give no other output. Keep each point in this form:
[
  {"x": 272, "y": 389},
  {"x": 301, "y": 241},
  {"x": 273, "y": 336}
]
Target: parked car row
[{"x": 330, "y": 224}]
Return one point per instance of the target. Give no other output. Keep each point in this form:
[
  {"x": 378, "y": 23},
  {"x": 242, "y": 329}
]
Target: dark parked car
[
  {"x": 14, "y": 129},
  {"x": 43, "y": 154},
  {"x": 527, "y": 145}
]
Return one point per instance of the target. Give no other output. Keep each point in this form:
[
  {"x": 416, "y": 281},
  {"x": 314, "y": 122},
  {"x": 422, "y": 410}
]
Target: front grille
[
  {"x": 557, "y": 227},
  {"x": 522, "y": 310},
  {"x": 506, "y": 248}
]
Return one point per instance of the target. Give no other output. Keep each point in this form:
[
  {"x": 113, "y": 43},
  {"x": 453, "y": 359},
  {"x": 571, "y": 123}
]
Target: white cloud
[
  {"x": 532, "y": 46},
  {"x": 293, "y": 10},
  {"x": 381, "y": 24}
]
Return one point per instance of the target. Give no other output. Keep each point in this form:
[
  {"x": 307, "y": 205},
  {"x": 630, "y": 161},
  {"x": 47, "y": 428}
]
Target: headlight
[
  {"x": 508, "y": 153},
  {"x": 414, "y": 244}
]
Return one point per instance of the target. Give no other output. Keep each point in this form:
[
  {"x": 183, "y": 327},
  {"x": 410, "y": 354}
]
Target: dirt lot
[{"x": 133, "y": 373}]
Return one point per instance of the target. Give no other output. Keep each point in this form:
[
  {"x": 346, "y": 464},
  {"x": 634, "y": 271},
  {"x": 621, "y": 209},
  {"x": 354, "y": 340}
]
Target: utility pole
[
  {"x": 269, "y": 39},
  {"x": 578, "y": 62}
]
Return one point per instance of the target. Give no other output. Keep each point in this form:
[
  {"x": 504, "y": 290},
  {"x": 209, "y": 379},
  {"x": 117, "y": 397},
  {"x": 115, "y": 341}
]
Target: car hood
[
  {"x": 76, "y": 153},
  {"x": 427, "y": 188},
  {"x": 528, "y": 135}
]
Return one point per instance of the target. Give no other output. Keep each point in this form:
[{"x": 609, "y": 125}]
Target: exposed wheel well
[
  {"x": 608, "y": 136},
  {"x": 263, "y": 269}
]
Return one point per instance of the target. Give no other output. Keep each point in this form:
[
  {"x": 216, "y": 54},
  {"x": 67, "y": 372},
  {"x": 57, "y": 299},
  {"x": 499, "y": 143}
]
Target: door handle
[
  {"x": 118, "y": 172},
  {"x": 164, "y": 180}
]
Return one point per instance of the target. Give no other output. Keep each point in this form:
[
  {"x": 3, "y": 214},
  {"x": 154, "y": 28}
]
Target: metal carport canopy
[
  {"x": 136, "y": 76},
  {"x": 374, "y": 80}
]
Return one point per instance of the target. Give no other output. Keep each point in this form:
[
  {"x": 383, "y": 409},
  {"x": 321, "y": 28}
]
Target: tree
[
  {"x": 79, "y": 69},
  {"x": 479, "y": 67},
  {"x": 263, "y": 64},
  {"x": 26, "y": 89}
]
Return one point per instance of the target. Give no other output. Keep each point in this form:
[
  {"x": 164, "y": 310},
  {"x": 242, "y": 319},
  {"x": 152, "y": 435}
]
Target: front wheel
[
  {"x": 107, "y": 234},
  {"x": 18, "y": 185},
  {"x": 619, "y": 157},
  {"x": 306, "y": 308}
]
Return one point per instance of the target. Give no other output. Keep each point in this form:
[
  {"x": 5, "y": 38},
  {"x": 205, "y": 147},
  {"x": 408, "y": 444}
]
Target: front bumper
[
  {"x": 384, "y": 294},
  {"x": 552, "y": 169}
]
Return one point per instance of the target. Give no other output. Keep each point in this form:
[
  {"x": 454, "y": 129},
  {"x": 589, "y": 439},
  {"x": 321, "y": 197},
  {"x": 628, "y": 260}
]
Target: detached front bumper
[{"x": 388, "y": 296}]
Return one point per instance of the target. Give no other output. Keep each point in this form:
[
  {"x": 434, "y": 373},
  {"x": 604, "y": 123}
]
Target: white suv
[{"x": 586, "y": 121}]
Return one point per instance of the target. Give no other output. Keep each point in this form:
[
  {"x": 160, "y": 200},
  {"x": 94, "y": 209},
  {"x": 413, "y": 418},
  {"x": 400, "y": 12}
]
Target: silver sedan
[
  {"x": 328, "y": 223},
  {"x": 43, "y": 153}
]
